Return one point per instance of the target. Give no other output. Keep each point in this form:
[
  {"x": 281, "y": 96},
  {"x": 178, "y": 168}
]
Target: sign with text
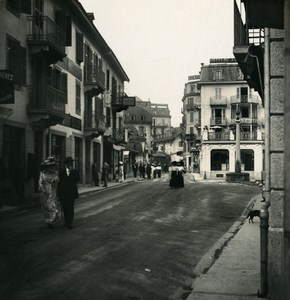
[
  {"x": 6, "y": 87},
  {"x": 129, "y": 101}
]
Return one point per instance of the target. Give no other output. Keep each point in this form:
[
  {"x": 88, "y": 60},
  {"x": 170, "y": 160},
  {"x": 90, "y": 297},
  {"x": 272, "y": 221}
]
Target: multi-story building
[
  {"x": 262, "y": 49},
  {"x": 65, "y": 93},
  {"x": 191, "y": 122},
  {"x": 223, "y": 92},
  {"x": 138, "y": 123}
]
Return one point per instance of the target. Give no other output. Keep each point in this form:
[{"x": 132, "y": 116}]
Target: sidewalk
[{"x": 235, "y": 274}]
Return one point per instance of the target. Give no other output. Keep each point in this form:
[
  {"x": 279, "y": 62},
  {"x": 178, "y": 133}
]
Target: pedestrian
[
  {"x": 148, "y": 170},
  {"x": 121, "y": 172},
  {"x": 105, "y": 173},
  {"x": 95, "y": 174},
  {"x": 48, "y": 182},
  {"x": 135, "y": 169},
  {"x": 68, "y": 190}
]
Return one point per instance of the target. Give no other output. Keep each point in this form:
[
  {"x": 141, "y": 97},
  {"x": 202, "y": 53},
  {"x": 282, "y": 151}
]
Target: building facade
[
  {"x": 191, "y": 109},
  {"x": 66, "y": 96},
  {"x": 262, "y": 49},
  {"x": 223, "y": 93}
]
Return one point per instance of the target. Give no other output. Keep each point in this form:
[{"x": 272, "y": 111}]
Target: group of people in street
[{"x": 55, "y": 186}]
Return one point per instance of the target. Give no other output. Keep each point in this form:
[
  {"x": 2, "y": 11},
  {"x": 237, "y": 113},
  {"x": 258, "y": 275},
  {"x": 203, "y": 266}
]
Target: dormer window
[
  {"x": 218, "y": 74},
  {"x": 142, "y": 118}
]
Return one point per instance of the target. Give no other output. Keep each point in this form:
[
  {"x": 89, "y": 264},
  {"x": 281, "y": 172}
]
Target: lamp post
[{"x": 238, "y": 148}]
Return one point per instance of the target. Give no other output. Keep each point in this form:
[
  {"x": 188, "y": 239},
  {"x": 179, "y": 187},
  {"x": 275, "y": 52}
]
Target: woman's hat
[
  {"x": 120, "y": 162},
  {"x": 49, "y": 161}
]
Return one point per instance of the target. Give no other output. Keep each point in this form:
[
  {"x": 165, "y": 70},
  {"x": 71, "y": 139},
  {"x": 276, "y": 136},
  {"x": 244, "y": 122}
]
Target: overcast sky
[{"x": 159, "y": 43}]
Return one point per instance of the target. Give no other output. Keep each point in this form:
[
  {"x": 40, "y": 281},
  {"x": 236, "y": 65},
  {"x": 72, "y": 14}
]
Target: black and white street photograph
[{"x": 144, "y": 149}]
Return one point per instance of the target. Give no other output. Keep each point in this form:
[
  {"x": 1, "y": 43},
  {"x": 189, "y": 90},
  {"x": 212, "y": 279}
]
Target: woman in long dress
[{"x": 48, "y": 181}]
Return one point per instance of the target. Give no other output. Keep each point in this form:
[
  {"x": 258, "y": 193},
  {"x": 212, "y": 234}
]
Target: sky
[{"x": 159, "y": 43}]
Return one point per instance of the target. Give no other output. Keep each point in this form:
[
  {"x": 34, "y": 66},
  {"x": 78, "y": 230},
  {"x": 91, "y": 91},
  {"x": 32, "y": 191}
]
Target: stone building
[{"x": 262, "y": 49}]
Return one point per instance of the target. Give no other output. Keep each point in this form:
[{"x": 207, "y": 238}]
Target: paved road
[{"x": 136, "y": 241}]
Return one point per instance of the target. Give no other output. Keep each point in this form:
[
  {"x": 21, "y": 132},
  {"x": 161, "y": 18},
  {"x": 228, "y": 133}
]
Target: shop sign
[
  {"x": 6, "y": 87},
  {"x": 129, "y": 101}
]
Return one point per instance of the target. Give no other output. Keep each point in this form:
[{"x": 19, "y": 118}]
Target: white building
[{"x": 223, "y": 92}]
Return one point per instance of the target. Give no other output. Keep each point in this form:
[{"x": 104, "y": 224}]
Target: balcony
[
  {"x": 192, "y": 107},
  {"x": 218, "y": 101},
  {"x": 245, "y": 121},
  {"x": 248, "y": 136},
  {"x": 94, "y": 80},
  {"x": 218, "y": 121},
  {"x": 219, "y": 136},
  {"x": 47, "y": 104},
  {"x": 190, "y": 137},
  {"x": 45, "y": 38},
  {"x": 120, "y": 101},
  {"x": 120, "y": 135},
  {"x": 244, "y": 99},
  {"x": 94, "y": 124},
  {"x": 248, "y": 51}
]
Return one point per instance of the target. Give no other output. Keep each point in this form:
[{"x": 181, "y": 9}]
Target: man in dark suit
[{"x": 67, "y": 190}]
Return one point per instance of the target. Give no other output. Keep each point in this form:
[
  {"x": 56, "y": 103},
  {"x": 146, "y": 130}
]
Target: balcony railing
[
  {"x": 244, "y": 99},
  {"x": 218, "y": 101},
  {"x": 120, "y": 135},
  {"x": 248, "y": 136},
  {"x": 218, "y": 121},
  {"x": 193, "y": 107},
  {"x": 218, "y": 136},
  {"x": 93, "y": 121},
  {"x": 249, "y": 120},
  {"x": 42, "y": 30},
  {"x": 47, "y": 99},
  {"x": 94, "y": 76}
]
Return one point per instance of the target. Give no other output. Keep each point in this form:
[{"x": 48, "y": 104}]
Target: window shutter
[
  {"x": 26, "y": 7},
  {"x": 68, "y": 31},
  {"x": 23, "y": 65},
  {"x": 14, "y": 60},
  {"x": 64, "y": 85},
  {"x": 79, "y": 47}
]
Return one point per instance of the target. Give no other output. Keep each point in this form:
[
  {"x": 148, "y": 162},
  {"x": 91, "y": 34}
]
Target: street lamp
[{"x": 238, "y": 148}]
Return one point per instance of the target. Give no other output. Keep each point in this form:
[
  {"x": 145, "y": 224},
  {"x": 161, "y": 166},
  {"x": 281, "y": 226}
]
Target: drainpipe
[{"x": 264, "y": 213}]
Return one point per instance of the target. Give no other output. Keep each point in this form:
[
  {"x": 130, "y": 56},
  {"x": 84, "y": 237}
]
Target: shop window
[{"x": 219, "y": 160}]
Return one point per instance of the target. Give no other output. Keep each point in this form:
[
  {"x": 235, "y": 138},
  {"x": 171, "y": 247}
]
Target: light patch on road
[
  {"x": 100, "y": 210},
  {"x": 179, "y": 216}
]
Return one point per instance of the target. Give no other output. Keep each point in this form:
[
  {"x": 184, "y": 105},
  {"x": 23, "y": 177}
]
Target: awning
[{"x": 118, "y": 148}]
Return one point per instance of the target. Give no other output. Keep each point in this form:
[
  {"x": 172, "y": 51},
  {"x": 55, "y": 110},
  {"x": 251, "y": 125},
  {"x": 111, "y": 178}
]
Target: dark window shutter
[
  {"x": 23, "y": 65},
  {"x": 68, "y": 31},
  {"x": 79, "y": 47},
  {"x": 64, "y": 85},
  {"x": 26, "y": 7},
  {"x": 14, "y": 60}
]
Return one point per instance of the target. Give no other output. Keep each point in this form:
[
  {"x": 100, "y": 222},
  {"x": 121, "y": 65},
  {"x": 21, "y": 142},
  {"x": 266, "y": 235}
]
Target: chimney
[{"x": 91, "y": 16}]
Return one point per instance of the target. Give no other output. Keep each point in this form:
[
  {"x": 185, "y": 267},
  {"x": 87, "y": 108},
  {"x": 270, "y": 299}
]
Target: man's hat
[{"x": 68, "y": 159}]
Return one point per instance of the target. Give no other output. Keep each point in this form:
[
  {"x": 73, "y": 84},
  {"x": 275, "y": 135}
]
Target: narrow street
[{"x": 135, "y": 241}]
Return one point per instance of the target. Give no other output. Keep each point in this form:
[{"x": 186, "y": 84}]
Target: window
[
  {"x": 218, "y": 93},
  {"x": 219, "y": 160},
  {"x": 16, "y": 60},
  {"x": 247, "y": 159},
  {"x": 108, "y": 80},
  {"x": 218, "y": 74},
  {"x": 191, "y": 117},
  {"x": 191, "y": 130},
  {"x": 142, "y": 118},
  {"x": 78, "y": 98},
  {"x": 19, "y": 6},
  {"x": 132, "y": 117}
]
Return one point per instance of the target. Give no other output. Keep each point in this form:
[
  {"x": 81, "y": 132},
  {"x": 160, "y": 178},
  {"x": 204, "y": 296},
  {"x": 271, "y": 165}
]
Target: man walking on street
[{"x": 67, "y": 190}]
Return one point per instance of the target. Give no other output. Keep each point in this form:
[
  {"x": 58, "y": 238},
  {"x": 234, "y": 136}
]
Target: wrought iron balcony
[
  {"x": 218, "y": 121},
  {"x": 249, "y": 120},
  {"x": 120, "y": 135},
  {"x": 47, "y": 99},
  {"x": 219, "y": 136},
  {"x": 44, "y": 34},
  {"x": 192, "y": 107},
  {"x": 94, "y": 80},
  {"x": 94, "y": 123}
]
